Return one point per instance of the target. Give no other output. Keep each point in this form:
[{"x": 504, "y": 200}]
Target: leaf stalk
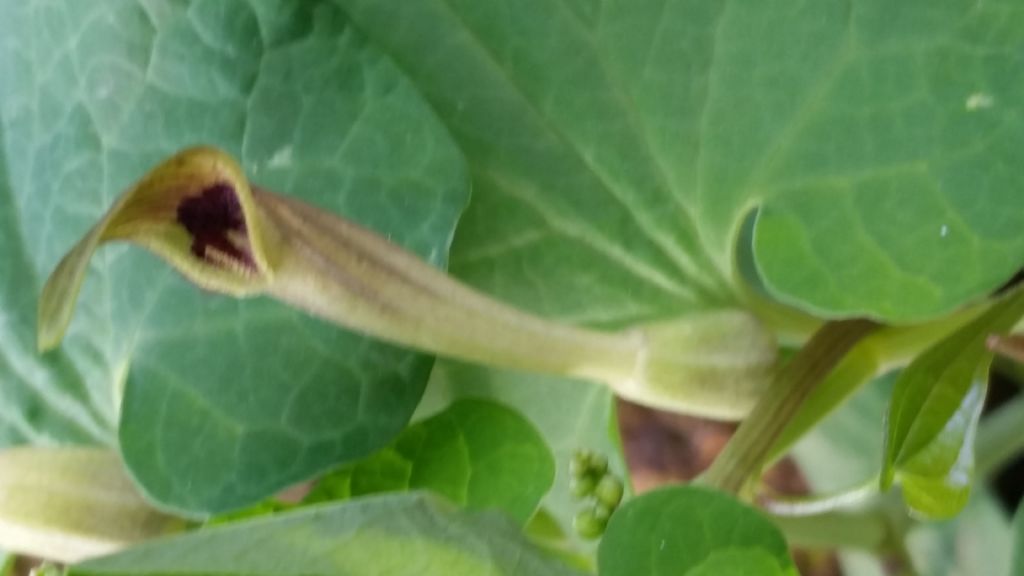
[{"x": 750, "y": 447}]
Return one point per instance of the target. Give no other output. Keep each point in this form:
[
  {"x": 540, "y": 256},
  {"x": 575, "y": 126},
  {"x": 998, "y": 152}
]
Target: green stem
[
  {"x": 791, "y": 326},
  {"x": 1000, "y": 437},
  {"x": 896, "y": 346},
  {"x": 879, "y": 528},
  {"x": 880, "y": 352},
  {"x": 750, "y": 447},
  {"x": 819, "y": 504},
  {"x": 858, "y": 368},
  {"x": 864, "y": 530}
]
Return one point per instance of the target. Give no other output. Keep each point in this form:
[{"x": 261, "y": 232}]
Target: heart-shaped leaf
[
  {"x": 224, "y": 402},
  {"x": 691, "y": 531},
  {"x": 478, "y": 454},
  {"x": 617, "y": 147},
  {"x": 573, "y": 416}
]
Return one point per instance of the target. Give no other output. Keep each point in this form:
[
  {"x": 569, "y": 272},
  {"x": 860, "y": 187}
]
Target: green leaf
[
  {"x": 40, "y": 401},
  {"x": 69, "y": 504},
  {"x": 691, "y": 531},
  {"x": 570, "y": 415},
  {"x": 477, "y": 454},
  {"x": 394, "y": 535},
  {"x": 937, "y": 480},
  {"x": 224, "y": 402},
  {"x": 838, "y": 454},
  {"x": 1018, "y": 543},
  {"x": 879, "y": 352},
  {"x": 617, "y": 147},
  {"x": 936, "y": 404}
]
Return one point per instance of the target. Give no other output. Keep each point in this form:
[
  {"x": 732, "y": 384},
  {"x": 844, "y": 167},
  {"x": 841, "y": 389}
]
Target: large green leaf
[
  {"x": 394, "y": 535},
  {"x": 618, "y": 145},
  {"x": 691, "y": 531},
  {"x": 224, "y": 401},
  {"x": 40, "y": 401},
  {"x": 934, "y": 413},
  {"x": 478, "y": 454}
]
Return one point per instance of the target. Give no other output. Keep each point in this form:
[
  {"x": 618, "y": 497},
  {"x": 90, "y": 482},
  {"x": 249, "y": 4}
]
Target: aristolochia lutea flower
[{"x": 199, "y": 213}]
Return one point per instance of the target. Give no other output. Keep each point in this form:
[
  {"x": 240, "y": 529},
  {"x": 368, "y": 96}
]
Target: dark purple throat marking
[{"x": 209, "y": 217}]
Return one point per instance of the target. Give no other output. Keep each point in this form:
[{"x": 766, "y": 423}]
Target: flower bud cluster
[{"x": 599, "y": 489}]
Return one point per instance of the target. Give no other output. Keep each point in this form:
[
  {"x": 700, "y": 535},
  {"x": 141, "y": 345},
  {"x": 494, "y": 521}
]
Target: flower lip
[{"x": 216, "y": 222}]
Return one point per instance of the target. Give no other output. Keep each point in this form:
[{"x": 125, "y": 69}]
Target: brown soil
[{"x": 664, "y": 448}]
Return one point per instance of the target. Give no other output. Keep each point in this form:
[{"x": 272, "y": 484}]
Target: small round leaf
[{"x": 690, "y": 531}]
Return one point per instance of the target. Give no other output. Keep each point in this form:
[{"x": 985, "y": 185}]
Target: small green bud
[
  {"x": 603, "y": 512},
  {"x": 609, "y": 491},
  {"x": 598, "y": 465},
  {"x": 582, "y": 486},
  {"x": 588, "y": 525},
  {"x": 580, "y": 464}
]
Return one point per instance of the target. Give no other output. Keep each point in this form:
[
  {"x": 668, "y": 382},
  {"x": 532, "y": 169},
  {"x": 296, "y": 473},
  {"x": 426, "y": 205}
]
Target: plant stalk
[
  {"x": 886, "y": 349},
  {"x": 749, "y": 449},
  {"x": 863, "y": 530},
  {"x": 878, "y": 527},
  {"x": 822, "y": 503}
]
